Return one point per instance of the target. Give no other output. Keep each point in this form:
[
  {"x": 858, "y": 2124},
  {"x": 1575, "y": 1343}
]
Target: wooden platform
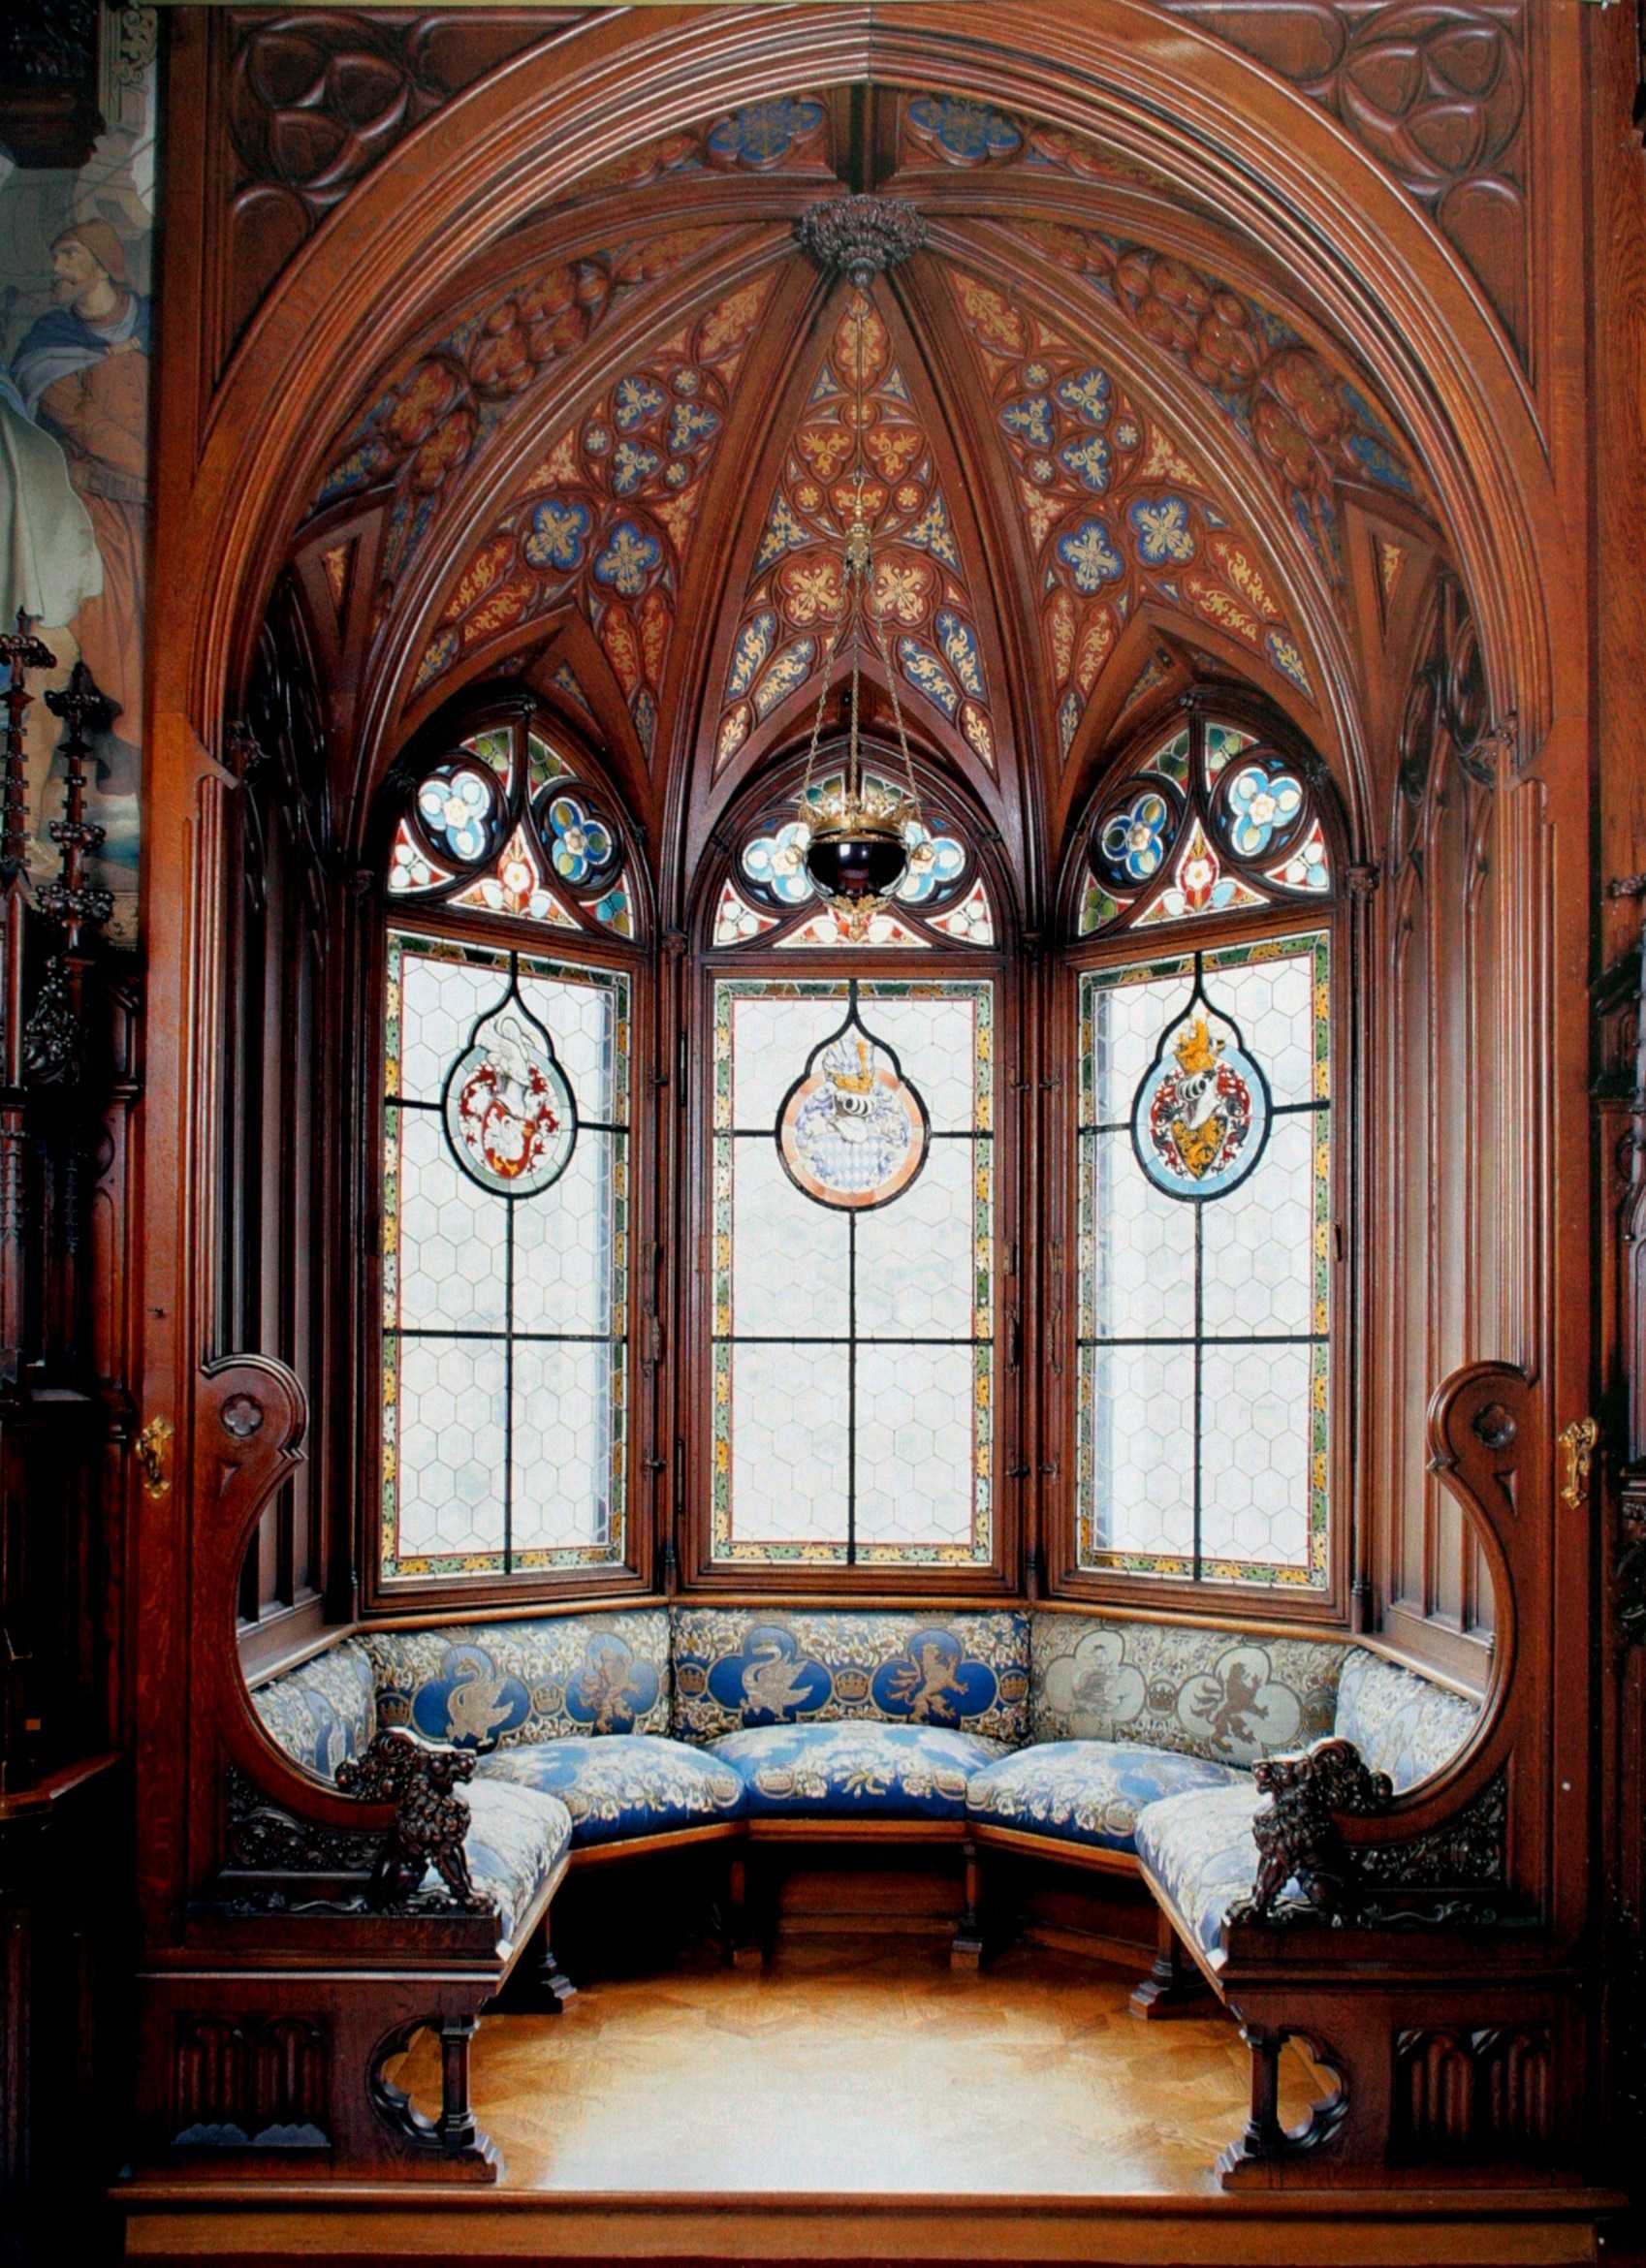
[{"x": 855, "y": 2102}]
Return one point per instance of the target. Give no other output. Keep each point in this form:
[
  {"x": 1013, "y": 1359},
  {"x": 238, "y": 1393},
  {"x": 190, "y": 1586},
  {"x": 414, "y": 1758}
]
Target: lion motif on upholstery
[
  {"x": 1297, "y": 1832},
  {"x": 430, "y": 1819}
]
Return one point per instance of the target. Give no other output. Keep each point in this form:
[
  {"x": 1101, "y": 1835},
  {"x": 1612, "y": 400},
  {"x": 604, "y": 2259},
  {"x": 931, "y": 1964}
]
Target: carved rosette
[{"x": 860, "y": 237}]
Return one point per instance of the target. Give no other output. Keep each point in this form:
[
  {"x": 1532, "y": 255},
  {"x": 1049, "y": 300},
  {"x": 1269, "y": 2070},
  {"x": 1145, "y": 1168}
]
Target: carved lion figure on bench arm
[{"x": 1297, "y": 1832}]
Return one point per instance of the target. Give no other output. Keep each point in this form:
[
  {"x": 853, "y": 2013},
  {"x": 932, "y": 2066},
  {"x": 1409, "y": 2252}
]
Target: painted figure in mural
[{"x": 81, "y": 376}]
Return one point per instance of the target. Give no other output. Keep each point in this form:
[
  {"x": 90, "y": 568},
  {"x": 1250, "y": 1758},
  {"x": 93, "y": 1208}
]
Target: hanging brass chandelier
[{"x": 862, "y": 839}]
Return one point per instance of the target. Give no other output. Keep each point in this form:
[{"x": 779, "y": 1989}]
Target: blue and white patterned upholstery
[
  {"x": 324, "y": 1710},
  {"x": 1198, "y": 1848},
  {"x": 515, "y": 1839},
  {"x": 494, "y": 1684},
  {"x": 624, "y": 1784},
  {"x": 734, "y": 1668},
  {"x": 1400, "y": 1722},
  {"x": 1214, "y": 1694},
  {"x": 888, "y": 1771},
  {"x": 1088, "y": 1791}
]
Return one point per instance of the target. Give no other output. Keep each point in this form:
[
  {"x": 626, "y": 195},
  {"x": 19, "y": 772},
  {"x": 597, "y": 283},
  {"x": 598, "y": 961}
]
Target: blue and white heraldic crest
[{"x": 852, "y": 1131}]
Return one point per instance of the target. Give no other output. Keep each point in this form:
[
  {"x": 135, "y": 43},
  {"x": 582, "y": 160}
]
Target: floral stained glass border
[
  {"x": 1310, "y": 1570},
  {"x": 614, "y": 986},
  {"x": 726, "y": 1547}
]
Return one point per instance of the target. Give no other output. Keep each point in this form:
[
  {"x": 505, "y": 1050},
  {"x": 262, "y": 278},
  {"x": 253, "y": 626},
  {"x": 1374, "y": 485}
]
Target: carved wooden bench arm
[
  {"x": 431, "y": 1820},
  {"x": 1297, "y": 1832}
]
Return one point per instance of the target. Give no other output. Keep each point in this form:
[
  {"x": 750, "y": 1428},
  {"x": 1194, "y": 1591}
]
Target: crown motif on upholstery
[{"x": 1196, "y": 1049}]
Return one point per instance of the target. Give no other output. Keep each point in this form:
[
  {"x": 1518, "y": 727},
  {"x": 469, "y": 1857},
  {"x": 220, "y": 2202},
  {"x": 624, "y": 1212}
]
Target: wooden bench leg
[
  {"x": 551, "y": 1985},
  {"x": 455, "y": 2126},
  {"x": 1174, "y": 1984},
  {"x": 967, "y": 1951},
  {"x": 742, "y": 1948}
]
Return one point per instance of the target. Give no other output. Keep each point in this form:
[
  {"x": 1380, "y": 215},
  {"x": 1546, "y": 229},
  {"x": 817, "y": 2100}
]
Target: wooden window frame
[
  {"x": 1221, "y": 1603},
  {"x": 528, "y": 1590}
]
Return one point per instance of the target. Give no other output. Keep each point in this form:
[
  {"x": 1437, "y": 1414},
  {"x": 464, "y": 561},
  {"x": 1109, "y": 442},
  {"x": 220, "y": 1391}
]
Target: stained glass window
[
  {"x": 505, "y": 1260},
  {"x": 941, "y": 901},
  {"x": 1213, "y": 821},
  {"x": 504, "y": 826},
  {"x": 853, "y": 1255},
  {"x": 1204, "y": 1225}
]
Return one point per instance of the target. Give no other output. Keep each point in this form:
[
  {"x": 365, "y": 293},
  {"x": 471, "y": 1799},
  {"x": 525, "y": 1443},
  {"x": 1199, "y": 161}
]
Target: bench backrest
[
  {"x": 496, "y": 1684},
  {"x": 794, "y": 1665},
  {"x": 474, "y": 1685},
  {"x": 1401, "y": 1724},
  {"x": 323, "y": 1711},
  {"x": 1214, "y": 1694}
]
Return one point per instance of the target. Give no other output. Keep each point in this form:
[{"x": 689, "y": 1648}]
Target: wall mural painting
[
  {"x": 1112, "y": 510},
  {"x": 920, "y": 593},
  {"x": 607, "y": 514},
  {"x": 75, "y": 259}
]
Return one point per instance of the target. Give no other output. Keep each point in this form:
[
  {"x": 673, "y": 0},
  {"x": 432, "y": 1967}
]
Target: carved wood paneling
[
  {"x": 257, "y": 2082},
  {"x": 1483, "y": 2094},
  {"x": 313, "y": 99},
  {"x": 1445, "y": 1120},
  {"x": 1435, "y": 90},
  {"x": 277, "y": 1294}
]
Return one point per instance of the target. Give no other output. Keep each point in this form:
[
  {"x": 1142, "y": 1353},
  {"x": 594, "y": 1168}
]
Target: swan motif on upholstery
[{"x": 773, "y": 1681}]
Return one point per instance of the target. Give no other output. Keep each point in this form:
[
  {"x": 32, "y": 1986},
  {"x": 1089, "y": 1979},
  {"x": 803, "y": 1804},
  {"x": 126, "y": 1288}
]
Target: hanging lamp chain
[{"x": 855, "y": 602}]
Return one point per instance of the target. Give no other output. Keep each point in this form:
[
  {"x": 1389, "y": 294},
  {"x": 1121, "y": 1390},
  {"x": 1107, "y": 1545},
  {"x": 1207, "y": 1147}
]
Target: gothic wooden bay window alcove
[{"x": 960, "y": 1394}]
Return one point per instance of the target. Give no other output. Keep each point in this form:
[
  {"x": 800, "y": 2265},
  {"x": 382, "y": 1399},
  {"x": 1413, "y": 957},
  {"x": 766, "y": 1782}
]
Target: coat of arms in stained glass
[{"x": 852, "y": 1131}]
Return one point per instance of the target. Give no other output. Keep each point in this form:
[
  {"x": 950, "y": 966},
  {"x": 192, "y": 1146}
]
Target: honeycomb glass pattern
[
  {"x": 505, "y": 1320},
  {"x": 853, "y": 1353},
  {"x": 1204, "y": 1373}
]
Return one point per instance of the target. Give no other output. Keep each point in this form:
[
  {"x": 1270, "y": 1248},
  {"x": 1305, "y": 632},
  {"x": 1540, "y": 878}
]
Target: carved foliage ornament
[{"x": 861, "y": 236}]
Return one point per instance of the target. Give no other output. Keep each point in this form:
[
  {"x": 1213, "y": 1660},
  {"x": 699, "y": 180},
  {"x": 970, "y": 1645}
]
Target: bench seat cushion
[
  {"x": 622, "y": 1785},
  {"x": 516, "y": 1838},
  {"x": 1198, "y": 1848},
  {"x": 888, "y": 1771},
  {"x": 1088, "y": 1791}
]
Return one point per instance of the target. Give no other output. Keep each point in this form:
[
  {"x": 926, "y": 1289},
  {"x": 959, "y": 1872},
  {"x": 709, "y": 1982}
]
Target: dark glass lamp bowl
[{"x": 857, "y": 862}]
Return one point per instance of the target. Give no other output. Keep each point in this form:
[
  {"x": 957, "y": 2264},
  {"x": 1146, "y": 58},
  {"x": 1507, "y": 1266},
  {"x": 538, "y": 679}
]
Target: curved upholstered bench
[
  {"x": 1105, "y": 1741},
  {"x": 1198, "y": 1856}
]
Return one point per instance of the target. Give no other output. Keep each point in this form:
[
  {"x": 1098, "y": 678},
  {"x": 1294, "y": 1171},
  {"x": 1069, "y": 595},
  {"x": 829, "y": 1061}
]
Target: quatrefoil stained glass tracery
[
  {"x": 1212, "y": 822},
  {"x": 503, "y": 826},
  {"x": 941, "y": 898}
]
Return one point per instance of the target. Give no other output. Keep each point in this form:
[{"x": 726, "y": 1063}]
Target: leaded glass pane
[
  {"x": 1204, "y": 1314},
  {"x": 854, "y": 1360},
  {"x": 505, "y": 1261}
]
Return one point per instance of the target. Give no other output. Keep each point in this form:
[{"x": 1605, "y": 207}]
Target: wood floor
[
  {"x": 860, "y": 2065},
  {"x": 857, "y": 2102}
]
